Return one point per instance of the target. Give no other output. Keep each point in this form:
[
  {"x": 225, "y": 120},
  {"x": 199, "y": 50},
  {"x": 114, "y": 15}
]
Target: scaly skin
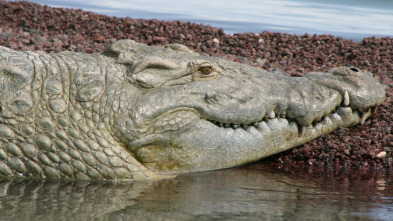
[{"x": 138, "y": 112}]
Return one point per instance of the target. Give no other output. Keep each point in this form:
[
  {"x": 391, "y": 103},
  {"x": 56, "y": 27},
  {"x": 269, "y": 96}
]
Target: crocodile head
[{"x": 181, "y": 112}]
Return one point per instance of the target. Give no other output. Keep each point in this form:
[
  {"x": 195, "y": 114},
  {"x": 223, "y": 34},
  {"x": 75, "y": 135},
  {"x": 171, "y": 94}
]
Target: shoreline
[{"x": 30, "y": 26}]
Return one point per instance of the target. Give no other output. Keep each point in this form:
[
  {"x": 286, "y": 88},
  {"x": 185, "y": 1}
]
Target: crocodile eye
[
  {"x": 206, "y": 70},
  {"x": 202, "y": 69}
]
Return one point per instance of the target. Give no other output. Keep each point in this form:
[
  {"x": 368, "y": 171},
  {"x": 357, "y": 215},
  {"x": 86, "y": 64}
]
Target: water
[
  {"x": 252, "y": 193},
  {"x": 352, "y": 19}
]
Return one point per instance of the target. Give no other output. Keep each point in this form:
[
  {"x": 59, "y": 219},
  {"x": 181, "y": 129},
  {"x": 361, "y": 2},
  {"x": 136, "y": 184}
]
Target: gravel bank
[{"x": 369, "y": 147}]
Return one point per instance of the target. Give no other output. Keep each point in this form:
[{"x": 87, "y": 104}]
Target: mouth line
[
  {"x": 258, "y": 124},
  {"x": 344, "y": 107},
  {"x": 341, "y": 115}
]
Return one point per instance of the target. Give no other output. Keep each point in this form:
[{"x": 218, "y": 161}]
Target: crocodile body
[{"x": 138, "y": 111}]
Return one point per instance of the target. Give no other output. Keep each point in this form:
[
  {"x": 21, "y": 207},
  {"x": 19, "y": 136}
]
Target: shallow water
[
  {"x": 352, "y": 19},
  {"x": 251, "y": 193}
]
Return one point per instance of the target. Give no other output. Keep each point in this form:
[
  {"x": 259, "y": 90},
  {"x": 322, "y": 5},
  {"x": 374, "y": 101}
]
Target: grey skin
[{"x": 140, "y": 112}]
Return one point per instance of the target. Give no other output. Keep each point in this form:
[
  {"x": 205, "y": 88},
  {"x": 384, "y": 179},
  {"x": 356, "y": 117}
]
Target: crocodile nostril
[
  {"x": 354, "y": 69},
  {"x": 210, "y": 97}
]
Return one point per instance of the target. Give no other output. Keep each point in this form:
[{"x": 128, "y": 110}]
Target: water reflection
[{"x": 249, "y": 193}]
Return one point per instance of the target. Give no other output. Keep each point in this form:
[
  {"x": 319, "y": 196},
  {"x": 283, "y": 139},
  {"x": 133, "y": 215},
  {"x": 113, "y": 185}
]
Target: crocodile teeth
[
  {"x": 364, "y": 117},
  {"x": 338, "y": 114},
  {"x": 272, "y": 115},
  {"x": 346, "y": 99}
]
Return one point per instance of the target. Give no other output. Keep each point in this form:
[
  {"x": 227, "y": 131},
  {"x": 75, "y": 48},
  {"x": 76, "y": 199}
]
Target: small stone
[
  {"x": 381, "y": 154},
  {"x": 43, "y": 142},
  {"x": 216, "y": 42},
  {"x": 261, "y": 62}
]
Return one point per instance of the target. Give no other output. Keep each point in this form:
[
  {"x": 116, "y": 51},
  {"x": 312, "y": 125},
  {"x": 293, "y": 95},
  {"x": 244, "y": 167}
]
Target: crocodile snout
[{"x": 358, "y": 88}]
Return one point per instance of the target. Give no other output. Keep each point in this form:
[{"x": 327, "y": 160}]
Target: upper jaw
[
  {"x": 358, "y": 88},
  {"x": 304, "y": 100}
]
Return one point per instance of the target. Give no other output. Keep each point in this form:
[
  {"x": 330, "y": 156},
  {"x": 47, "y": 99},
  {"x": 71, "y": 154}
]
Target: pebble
[{"x": 381, "y": 154}]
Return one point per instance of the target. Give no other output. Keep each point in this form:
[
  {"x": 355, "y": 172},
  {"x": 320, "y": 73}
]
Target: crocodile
[{"x": 138, "y": 112}]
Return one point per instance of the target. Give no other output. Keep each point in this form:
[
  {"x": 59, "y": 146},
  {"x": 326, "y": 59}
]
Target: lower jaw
[
  {"x": 200, "y": 148},
  {"x": 282, "y": 134}
]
